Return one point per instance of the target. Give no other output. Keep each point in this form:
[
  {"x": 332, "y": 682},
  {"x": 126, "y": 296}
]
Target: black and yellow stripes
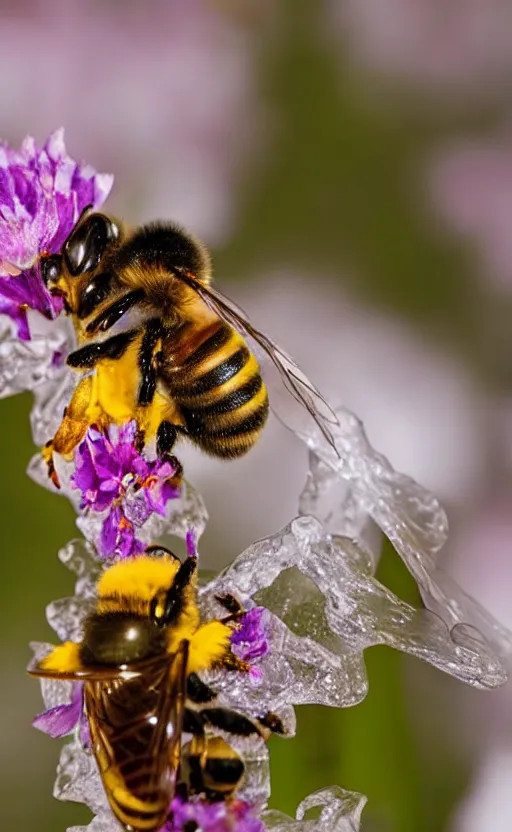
[{"x": 220, "y": 392}]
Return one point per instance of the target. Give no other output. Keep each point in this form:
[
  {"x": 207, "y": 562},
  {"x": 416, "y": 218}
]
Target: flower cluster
[
  {"x": 114, "y": 478},
  {"x": 216, "y": 817},
  {"x": 311, "y": 602},
  {"x": 42, "y": 194}
]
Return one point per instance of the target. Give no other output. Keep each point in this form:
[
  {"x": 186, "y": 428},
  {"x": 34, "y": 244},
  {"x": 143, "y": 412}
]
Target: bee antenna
[{"x": 174, "y": 598}]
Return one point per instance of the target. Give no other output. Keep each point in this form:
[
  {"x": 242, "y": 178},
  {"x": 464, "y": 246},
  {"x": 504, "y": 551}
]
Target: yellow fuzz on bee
[
  {"x": 114, "y": 386},
  {"x": 209, "y": 644},
  {"x": 113, "y": 395},
  {"x": 63, "y": 659},
  {"x": 140, "y": 578}
]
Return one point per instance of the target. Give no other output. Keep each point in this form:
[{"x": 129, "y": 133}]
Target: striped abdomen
[{"x": 220, "y": 392}]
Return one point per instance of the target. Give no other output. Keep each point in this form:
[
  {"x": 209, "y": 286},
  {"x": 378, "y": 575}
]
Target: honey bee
[
  {"x": 142, "y": 648},
  {"x": 159, "y": 344}
]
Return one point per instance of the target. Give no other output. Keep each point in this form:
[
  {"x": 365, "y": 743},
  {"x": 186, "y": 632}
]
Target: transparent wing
[
  {"x": 136, "y": 729},
  {"x": 97, "y": 673},
  {"x": 299, "y": 390}
]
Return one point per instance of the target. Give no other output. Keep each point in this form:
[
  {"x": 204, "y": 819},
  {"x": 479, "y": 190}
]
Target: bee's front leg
[
  {"x": 47, "y": 454},
  {"x": 232, "y": 605},
  {"x": 72, "y": 429}
]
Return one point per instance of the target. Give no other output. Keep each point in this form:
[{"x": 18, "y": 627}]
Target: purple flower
[
  {"x": 250, "y": 641},
  {"x": 232, "y": 816},
  {"x": 59, "y": 721},
  {"x": 113, "y": 476},
  {"x": 42, "y": 194},
  {"x": 190, "y": 541}
]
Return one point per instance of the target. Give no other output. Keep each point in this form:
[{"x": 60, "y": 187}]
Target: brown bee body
[
  {"x": 182, "y": 368},
  {"x": 158, "y": 344},
  {"x": 142, "y": 648}
]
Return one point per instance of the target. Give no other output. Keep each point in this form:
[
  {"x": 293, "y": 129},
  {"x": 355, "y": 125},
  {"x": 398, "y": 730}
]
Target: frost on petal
[
  {"x": 125, "y": 500},
  {"x": 249, "y": 642},
  {"x": 184, "y": 513}
]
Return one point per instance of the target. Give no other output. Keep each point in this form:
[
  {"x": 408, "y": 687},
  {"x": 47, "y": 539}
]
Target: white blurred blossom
[
  {"x": 420, "y": 406},
  {"x": 164, "y": 96},
  {"x": 460, "y": 48},
  {"x": 471, "y": 190},
  {"x": 488, "y": 806}
]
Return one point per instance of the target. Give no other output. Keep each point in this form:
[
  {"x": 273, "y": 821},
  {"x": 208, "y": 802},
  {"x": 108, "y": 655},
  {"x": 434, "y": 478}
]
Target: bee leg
[
  {"x": 272, "y": 722},
  {"x": 165, "y": 439},
  {"x": 231, "y": 721},
  {"x": 163, "y": 612},
  {"x": 146, "y": 360},
  {"x": 199, "y": 692},
  {"x": 47, "y": 454},
  {"x": 86, "y": 357},
  {"x": 235, "y": 723},
  {"x": 72, "y": 429},
  {"x": 140, "y": 439},
  {"x": 110, "y": 316},
  {"x": 166, "y": 436},
  {"x": 232, "y": 662},
  {"x": 232, "y": 605}
]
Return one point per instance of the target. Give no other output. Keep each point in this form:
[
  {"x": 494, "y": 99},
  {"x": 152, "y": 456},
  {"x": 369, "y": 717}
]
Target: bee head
[{"x": 81, "y": 253}]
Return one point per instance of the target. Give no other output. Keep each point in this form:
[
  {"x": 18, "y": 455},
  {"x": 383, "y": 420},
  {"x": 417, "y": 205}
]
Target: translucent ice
[
  {"x": 24, "y": 365},
  {"x": 352, "y": 492},
  {"x": 330, "y": 609},
  {"x": 340, "y": 812}
]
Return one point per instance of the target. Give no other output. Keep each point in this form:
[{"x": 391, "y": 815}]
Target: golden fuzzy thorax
[
  {"x": 130, "y": 586},
  {"x": 136, "y": 580}
]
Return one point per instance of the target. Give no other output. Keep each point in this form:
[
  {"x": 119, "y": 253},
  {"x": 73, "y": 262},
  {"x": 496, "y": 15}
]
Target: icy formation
[
  {"x": 315, "y": 578},
  {"x": 77, "y": 775},
  {"x": 340, "y": 812},
  {"x": 349, "y": 492}
]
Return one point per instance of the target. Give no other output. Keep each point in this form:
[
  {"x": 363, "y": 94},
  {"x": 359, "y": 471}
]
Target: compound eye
[
  {"x": 86, "y": 245},
  {"x": 50, "y": 269}
]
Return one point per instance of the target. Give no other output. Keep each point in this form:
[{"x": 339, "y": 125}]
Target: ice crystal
[{"x": 313, "y": 604}]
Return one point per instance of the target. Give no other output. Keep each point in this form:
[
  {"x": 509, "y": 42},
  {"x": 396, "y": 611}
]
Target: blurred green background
[{"x": 335, "y": 190}]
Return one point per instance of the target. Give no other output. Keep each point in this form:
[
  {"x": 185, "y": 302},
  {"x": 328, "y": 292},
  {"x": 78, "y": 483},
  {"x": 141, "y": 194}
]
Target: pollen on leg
[
  {"x": 63, "y": 659},
  {"x": 208, "y": 645}
]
